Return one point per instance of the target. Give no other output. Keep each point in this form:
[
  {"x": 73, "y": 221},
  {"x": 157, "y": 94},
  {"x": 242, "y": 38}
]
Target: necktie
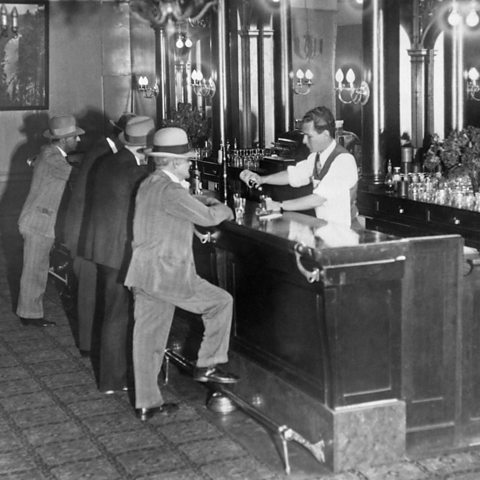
[{"x": 318, "y": 166}]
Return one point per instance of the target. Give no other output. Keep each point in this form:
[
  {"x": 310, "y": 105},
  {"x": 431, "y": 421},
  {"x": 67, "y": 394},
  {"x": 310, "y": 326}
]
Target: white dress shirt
[{"x": 334, "y": 187}]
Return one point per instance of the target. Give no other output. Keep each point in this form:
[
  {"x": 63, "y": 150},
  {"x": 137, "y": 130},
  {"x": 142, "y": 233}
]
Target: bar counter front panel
[{"x": 314, "y": 353}]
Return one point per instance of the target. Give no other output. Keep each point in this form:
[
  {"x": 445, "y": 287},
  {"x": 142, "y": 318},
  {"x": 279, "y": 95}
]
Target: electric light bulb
[
  {"x": 188, "y": 42},
  {"x": 179, "y": 43},
  {"x": 350, "y": 76},
  {"x": 472, "y": 18},
  {"x": 473, "y": 74},
  {"x": 454, "y": 18},
  {"x": 339, "y": 76},
  {"x": 308, "y": 74},
  {"x": 300, "y": 75}
]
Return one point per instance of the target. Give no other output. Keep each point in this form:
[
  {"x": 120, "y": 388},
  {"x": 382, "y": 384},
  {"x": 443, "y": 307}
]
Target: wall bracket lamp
[
  {"x": 148, "y": 92},
  {"x": 4, "y": 21},
  {"x": 201, "y": 86},
  {"x": 302, "y": 81},
  {"x": 358, "y": 95},
  {"x": 473, "y": 88}
]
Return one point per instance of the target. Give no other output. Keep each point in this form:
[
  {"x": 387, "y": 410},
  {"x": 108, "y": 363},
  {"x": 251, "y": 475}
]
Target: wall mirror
[
  {"x": 191, "y": 77},
  {"x": 438, "y": 50},
  {"x": 327, "y": 46}
]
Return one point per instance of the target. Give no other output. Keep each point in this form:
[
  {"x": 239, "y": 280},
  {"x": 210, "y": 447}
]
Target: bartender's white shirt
[{"x": 334, "y": 187}]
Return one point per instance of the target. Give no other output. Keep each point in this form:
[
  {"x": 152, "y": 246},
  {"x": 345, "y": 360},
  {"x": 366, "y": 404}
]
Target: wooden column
[{"x": 418, "y": 57}]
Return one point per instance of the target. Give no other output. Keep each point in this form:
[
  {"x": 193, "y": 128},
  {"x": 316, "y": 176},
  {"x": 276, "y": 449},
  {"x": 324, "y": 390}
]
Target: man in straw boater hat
[
  {"x": 77, "y": 213},
  {"x": 162, "y": 272},
  {"x": 39, "y": 214},
  {"x": 113, "y": 182}
]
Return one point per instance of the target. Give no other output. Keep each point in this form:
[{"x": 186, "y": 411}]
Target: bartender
[{"x": 330, "y": 167}]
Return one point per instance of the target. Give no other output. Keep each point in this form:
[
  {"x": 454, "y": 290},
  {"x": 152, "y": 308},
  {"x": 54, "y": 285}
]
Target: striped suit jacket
[
  {"x": 50, "y": 175},
  {"x": 162, "y": 261}
]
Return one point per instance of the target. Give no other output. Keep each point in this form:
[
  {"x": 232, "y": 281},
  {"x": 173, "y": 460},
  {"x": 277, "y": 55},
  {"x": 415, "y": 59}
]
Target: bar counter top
[{"x": 321, "y": 241}]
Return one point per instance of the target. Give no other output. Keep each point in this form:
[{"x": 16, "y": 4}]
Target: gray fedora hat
[
  {"x": 137, "y": 130},
  {"x": 62, "y": 126}
]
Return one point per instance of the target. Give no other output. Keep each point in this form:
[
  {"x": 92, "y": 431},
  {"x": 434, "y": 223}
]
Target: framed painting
[{"x": 24, "y": 55}]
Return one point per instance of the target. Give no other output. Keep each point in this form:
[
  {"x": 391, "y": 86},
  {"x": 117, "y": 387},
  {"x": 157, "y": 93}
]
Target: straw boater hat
[
  {"x": 170, "y": 142},
  {"x": 62, "y": 126},
  {"x": 137, "y": 130}
]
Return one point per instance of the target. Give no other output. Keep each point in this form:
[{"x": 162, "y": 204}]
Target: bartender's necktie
[{"x": 318, "y": 166}]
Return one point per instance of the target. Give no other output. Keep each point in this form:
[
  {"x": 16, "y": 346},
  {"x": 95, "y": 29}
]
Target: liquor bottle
[
  {"x": 339, "y": 137},
  {"x": 196, "y": 180},
  {"x": 397, "y": 178},
  {"x": 389, "y": 178},
  {"x": 220, "y": 154}
]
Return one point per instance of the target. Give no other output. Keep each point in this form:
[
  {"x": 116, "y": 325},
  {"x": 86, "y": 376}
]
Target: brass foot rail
[{"x": 285, "y": 433}]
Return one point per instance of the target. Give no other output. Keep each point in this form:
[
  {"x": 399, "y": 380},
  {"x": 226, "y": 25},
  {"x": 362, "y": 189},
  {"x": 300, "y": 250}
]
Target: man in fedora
[
  {"x": 77, "y": 213},
  {"x": 162, "y": 272},
  {"x": 112, "y": 184},
  {"x": 39, "y": 214}
]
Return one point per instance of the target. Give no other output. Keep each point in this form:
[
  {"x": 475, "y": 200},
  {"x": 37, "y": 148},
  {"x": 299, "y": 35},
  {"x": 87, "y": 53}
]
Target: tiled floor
[{"x": 54, "y": 424}]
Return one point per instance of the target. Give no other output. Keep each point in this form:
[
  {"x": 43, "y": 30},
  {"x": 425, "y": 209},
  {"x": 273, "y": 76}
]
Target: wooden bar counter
[{"x": 339, "y": 334}]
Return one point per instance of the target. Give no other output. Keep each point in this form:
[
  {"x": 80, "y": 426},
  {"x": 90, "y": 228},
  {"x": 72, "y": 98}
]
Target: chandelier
[{"x": 160, "y": 12}]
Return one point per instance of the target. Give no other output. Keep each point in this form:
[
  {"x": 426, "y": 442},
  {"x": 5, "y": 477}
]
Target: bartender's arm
[
  {"x": 252, "y": 178},
  {"x": 297, "y": 204}
]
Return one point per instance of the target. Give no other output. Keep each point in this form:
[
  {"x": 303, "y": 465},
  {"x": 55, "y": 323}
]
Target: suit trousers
[
  {"x": 86, "y": 275},
  {"x": 114, "y": 348},
  {"x": 153, "y": 320},
  {"x": 33, "y": 282}
]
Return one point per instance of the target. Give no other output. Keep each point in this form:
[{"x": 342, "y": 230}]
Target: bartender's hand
[
  {"x": 252, "y": 179},
  {"x": 273, "y": 206}
]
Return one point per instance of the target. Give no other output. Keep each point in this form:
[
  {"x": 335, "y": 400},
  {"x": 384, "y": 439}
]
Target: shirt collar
[
  {"x": 112, "y": 144},
  {"x": 134, "y": 150},
  {"x": 62, "y": 151},
  {"x": 325, "y": 153},
  {"x": 175, "y": 179}
]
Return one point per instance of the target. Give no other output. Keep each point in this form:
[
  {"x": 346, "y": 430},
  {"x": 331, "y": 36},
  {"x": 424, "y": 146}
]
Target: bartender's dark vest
[{"x": 319, "y": 173}]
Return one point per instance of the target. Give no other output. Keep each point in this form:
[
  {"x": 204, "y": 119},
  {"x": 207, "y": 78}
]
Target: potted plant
[
  {"x": 457, "y": 155},
  {"x": 192, "y": 121}
]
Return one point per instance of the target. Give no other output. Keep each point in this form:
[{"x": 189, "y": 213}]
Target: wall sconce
[
  {"x": 201, "y": 86},
  {"x": 302, "y": 82},
  {"x": 351, "y": 94},
  {"x": 473, "y": 89},
  {"x": 4, "y": 21},
  {"x": 148, "y": 92},
  {"x": 458, "y": 13},
  {"x": 183, "y": 41}
]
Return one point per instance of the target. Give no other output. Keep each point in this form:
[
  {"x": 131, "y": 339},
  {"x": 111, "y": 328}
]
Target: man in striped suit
[
  {"x": 39, "y": 214},
  {"x": 162, "y": 272}
]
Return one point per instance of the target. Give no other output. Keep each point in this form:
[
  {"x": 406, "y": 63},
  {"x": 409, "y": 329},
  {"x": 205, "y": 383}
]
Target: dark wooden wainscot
[
  {"x": 402, "y": 216},
  {"x": 345, "y": 336}
]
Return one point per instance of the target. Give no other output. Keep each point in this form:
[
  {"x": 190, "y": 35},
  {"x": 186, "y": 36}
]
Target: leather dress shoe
[
  {"x": 36, "y": 322},
  {"x": 166, "y": 409},
  {"x": 213, "y": 374}
]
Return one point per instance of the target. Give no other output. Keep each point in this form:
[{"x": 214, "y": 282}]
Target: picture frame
[{"x": 24, "y": 55}]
